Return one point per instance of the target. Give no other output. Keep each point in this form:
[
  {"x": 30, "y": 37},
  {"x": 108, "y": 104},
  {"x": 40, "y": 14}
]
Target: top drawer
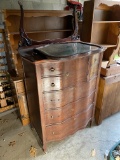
[{"x": 62, "y": 67}]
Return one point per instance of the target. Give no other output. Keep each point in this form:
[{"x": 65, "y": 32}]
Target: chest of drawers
[{"x": 61, "y": 93}]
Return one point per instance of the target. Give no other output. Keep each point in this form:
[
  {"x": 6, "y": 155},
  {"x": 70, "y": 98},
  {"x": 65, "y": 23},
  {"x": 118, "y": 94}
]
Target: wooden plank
[
  {"x": 23, "y": 109},
  {"x": 87, "y": 23},
  {"x": 113, "y": 70}
]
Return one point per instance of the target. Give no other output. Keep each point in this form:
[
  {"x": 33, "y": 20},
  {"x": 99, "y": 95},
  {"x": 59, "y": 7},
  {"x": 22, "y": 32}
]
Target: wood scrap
[
  {"x": 12, "y": 143},
  {"x": 33, "y": 151}
]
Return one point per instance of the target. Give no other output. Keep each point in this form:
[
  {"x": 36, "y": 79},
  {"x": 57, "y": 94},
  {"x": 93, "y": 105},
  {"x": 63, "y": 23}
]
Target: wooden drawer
[
  {"x": 59, "y": 115},
  {"x": 70, "y": 126},
  {"x": 63, "y": 67},
  {"x": 57, "y": 83},
  {"x": 60, "y": 98}
]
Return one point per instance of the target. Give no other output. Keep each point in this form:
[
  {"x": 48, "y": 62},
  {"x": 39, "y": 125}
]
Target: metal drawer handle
[
  {"x": 52, "y": 84},
  {"x": 52, "y": 69},
  {"x": 95, "y": 60},
  {"x": 67, "y": 74}
]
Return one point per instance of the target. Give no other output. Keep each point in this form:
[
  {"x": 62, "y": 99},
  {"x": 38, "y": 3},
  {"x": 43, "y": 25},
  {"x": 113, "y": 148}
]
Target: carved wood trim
[{"x": 26, "y": 41}]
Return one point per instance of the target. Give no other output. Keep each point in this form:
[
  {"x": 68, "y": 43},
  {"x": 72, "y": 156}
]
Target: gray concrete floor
[{"x": 75, "y": 147}]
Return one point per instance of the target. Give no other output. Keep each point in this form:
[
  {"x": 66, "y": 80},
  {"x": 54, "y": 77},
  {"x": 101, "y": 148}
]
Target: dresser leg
[
  {"x": 91, "y": 123},
  {"x": 44, "y": 148}
]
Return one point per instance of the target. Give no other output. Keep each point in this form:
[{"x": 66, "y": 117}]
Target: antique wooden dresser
[{"x": 61, "y": 92}]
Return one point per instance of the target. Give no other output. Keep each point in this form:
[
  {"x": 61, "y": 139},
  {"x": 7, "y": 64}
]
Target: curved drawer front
[
  {"x": 70, "y": 126},
  {"x": 61, "y": 114},
  {"x": 63, "y": 67},
  {"x": 60, "y": 98},
  {"x": 57, "y": 83},
  {"x": 94, "y": 65}
]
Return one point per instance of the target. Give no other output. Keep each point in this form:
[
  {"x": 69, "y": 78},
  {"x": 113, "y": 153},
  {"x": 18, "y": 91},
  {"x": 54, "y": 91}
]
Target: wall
[{"x": 34, "y": 4}]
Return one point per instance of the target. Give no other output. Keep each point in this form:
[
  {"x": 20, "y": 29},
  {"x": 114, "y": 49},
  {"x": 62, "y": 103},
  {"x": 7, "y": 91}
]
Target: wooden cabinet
[
  {"x": 18, "y": 85},
  {"x": 101, "y": 26},
  {"x": 61, "y": 93}
]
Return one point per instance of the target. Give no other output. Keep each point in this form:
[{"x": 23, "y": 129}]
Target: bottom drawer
[{"x": 70, "y": 126}]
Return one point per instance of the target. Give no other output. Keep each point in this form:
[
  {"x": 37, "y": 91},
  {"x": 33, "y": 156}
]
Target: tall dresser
[{"x": 61, "y": 92}]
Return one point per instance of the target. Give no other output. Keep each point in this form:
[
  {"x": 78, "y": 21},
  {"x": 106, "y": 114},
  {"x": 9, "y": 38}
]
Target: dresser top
[{"x": 58, "y": 50}]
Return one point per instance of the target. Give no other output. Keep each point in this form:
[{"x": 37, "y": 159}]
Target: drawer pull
[
  {"x": 52, "y": 69},
  {"x": 52, "y": 84},
  {"x": 95, "y": 60},
  {"x": 67, "y": 74},
  {"x": 52, "y": 117}
]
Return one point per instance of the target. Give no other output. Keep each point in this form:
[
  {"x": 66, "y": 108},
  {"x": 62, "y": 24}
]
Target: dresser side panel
[{"x": 32, "y": 96}]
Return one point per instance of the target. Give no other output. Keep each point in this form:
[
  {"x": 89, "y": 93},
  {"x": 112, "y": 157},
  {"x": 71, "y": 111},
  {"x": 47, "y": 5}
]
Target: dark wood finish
[
  {"x": 61, "y": 103},
  {"x": 26, "y": 41}
]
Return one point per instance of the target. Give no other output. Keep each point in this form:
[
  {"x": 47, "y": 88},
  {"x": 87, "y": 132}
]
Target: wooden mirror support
[{"x": 26, "y": 41}]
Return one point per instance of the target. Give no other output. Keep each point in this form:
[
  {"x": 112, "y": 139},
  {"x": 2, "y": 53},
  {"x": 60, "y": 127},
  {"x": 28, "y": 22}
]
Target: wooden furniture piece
[
  {"x": 52, "y": 70},
  {"x": 61, "y": 93},
  {"x": 19, "y": 91},
  {"x": 101, "y": 25}
]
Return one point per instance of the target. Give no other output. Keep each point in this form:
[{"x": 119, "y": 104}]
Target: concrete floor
[{"x": 75, "y": 147}]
